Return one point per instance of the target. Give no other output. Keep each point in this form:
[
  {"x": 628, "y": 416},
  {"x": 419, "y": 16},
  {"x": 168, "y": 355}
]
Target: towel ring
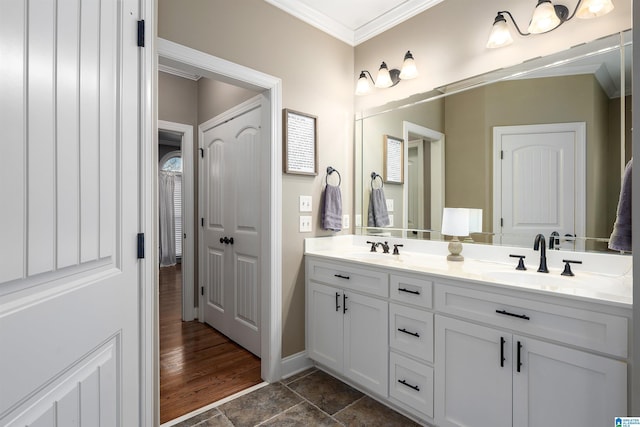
[
  {"x": 331, "y": 170},
  {"x": 375, "y": 175}
]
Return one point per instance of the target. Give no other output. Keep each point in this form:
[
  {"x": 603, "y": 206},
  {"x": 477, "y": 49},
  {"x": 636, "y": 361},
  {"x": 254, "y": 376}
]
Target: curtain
[{"x": 167, "y": 182}]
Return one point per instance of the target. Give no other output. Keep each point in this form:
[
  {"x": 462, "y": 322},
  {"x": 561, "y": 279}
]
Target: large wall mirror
[{"x": 464, "y": 144}]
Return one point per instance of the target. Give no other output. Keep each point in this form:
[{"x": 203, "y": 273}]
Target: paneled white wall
[{"x": 57, "y": 169}]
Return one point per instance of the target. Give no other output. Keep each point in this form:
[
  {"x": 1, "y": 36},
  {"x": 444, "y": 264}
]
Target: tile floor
[{"x": 311, "y": 398}]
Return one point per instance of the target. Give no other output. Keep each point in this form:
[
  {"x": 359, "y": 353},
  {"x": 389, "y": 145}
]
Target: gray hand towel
[
  {"x": 620, "y": 239},
  {"x": 378, "y": 215},
  {"x": 332, "y": 208}
]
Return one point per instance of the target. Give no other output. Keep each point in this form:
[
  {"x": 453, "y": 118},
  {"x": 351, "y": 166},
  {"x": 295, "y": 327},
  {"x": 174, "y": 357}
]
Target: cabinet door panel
[
  {"x": 472, "y": 388},
  {"x": 325, "y": 320},
  {"x": 561, "y": 386},
  {"x": 366, "y": 352}
]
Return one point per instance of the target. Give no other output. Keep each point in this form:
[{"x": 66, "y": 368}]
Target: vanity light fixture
[
  {"x": 455, "y": 222},
  {"x": 387, "y": 78},
  {"x": 546, "y": 17}
]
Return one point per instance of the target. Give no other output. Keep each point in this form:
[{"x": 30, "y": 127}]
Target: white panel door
[
  {"x": 69, "y": 336},
  {"x": 541, "y": 183},
  {"x": 562, "y": 386},
  {"x": 231, "y": 223}
]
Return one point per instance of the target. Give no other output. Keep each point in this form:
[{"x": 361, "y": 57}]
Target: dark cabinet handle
[
  {"x": 519, "y": 350},
  {"x": 409, "y": 291},
  {"x": 344, "y": 303},
  {"x": 415, "y": 387},
  {"x": 341, "y": 276},
  {"x": 337, "y": 301},
  {"x": 519, "y": 316},
  {"x": 502, "y": 341},
  {"x": 415, "y": 334}
]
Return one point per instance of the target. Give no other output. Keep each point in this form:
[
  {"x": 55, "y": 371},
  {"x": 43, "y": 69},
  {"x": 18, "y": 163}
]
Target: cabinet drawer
[
  {"x": 585, "y": 328},
  {"x": 411, "y": 331},
  {"x": 411, "y": 290},
  {"x": 411, "y": 385},
  {"x": 349, "y": 277}
]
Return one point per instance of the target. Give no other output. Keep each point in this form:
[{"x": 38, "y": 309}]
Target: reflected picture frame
[{"x": 393, "y": 149}]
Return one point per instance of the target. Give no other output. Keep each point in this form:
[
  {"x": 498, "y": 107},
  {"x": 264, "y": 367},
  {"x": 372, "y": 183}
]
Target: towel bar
[
  {"x": 375, "y": 175},
  {"x": 331, "y": 170}
]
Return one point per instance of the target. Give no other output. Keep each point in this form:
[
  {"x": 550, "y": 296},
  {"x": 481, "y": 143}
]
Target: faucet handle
[
  {"x": 567, "y": 267},
  {"x": 395, "y": 249},
  {"x": 520, "y": 262},
  {"x": 373, "y": 246}
]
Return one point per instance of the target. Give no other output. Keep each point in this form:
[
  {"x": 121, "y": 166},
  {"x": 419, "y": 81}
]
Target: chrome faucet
[
  {"x": 539, "y": 243},
  {"x": 554, "y": 240}
]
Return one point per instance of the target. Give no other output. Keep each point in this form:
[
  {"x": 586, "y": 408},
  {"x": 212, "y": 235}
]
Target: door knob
[
  {"x": 221, "y": 240},
  {"x": 231, "y": 240},
  {"x": 226, "y": 240}
]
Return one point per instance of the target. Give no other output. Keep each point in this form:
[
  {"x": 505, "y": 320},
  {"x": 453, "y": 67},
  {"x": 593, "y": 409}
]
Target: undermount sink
[{"x": 552, "y": 279}]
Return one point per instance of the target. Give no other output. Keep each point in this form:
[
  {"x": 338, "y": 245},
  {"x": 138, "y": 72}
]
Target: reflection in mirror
[{"x": 498, "y": 142}]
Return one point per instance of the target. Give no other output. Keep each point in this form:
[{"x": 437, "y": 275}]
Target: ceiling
[{"x": 353, "y": 21}]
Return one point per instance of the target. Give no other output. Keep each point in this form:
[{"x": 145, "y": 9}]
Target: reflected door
[{"x": 541, "y": 185}]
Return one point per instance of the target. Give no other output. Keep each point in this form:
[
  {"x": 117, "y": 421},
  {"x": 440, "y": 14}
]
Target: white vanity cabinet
[
  {"x": 453, "y": 351},
  {"x": 495, "y": 375},
  {"x": 346, "y": 329}
]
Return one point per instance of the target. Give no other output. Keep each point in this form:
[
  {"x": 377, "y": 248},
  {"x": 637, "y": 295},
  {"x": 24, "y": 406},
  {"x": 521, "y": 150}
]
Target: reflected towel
[
  {"x": 620, "y": 239},
  {"x": 378, "y": 215},
  {"x": 332, "y": 208}
]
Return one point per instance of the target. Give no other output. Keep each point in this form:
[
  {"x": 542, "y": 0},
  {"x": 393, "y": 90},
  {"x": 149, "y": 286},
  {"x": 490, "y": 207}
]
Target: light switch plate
[
  {"x": 390, "y": 205},
  {"x": 305, "y": 223},
  {"x": 305, "y": 203},
  {"x": 358, "y": 220},
  {"x": 345, "y": 221},
  {"x": 390, "y": 220}
]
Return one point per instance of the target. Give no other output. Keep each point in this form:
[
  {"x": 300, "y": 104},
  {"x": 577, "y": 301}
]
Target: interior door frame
[
  {"x": 580, "y": 179},
  {"x": 188, "y": 59},
  {"x": 436, "y": 144},
  {"x": 186, "y": 147}
]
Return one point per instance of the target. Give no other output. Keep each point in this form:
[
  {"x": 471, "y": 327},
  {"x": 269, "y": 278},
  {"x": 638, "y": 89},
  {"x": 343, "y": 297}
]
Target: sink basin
[{"x": 552, "y": 279}]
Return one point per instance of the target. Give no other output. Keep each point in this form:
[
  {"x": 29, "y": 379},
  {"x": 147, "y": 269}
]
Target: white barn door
[
  {"x": 69, "y": 297},
  {"x": 231, "y": 201},
  {"x": 539, "y": 181}
]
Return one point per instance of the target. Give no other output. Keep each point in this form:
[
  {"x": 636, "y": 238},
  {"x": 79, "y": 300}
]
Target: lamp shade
[
  {"x": 455, "y": 222},
  {"x": 544, "y": 18},
  {"x": 384, "y": 78},
  {"x": 594, "y": 8},
  {"x": 500, "y": 34},
  {"x": 409, "y": 70},
  {"x": 362, "y": 87}
]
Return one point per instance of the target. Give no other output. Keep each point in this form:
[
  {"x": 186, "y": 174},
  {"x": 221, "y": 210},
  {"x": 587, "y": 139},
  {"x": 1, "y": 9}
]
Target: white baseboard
[{"x": 295, "y": 363}]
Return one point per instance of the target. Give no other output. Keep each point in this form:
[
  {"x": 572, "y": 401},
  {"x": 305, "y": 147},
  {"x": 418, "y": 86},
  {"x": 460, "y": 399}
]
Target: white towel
[
  {"x": 332, "y": 208},
  {"x": 620, "y": 239},
  {"x": 378, "y": 215}
]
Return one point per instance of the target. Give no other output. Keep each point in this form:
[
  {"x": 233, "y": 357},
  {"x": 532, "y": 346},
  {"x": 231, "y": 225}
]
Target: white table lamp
[
  {"x": 455, "y": 223},
  {"x": 475, "y": 223}
]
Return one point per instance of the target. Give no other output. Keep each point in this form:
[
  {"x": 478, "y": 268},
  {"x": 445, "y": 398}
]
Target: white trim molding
[
  {"x": 295, "y": 363},
  {"x": 200, "y": 63}
]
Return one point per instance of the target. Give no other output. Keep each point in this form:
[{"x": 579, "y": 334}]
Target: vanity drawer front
[
  {"x": 411, "y": 385},
  {"x": 585, "y": 328},
  {"x": 411, "y": 290},
  {"x": 349, "y": 277},
  {"x": 411, "y": 331}
]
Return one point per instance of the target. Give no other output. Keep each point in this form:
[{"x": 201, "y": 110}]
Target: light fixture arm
[
  {"x": 370, "y": 76},
  {"x": 562, "y": 12},
  {"x": 514, "y": 22}
]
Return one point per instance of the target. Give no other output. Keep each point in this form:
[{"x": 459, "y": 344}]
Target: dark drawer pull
[
  {"x": 519, "y": 316},
  {"x": 415, "y": 387},
  {"x": 341, "y": 276},
  {"x": 415, "y": 334},
  {"x": 409, "y": 291}
]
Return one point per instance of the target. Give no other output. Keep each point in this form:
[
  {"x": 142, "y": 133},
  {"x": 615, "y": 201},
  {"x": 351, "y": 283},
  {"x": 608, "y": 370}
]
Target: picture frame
[
  {"x": 393, "y": 169},
  {"x": 300, "y": 138}
]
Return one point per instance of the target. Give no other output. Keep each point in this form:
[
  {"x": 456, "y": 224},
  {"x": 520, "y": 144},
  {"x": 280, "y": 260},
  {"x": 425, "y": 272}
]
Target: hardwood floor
[{"x": 198, "y": 365}]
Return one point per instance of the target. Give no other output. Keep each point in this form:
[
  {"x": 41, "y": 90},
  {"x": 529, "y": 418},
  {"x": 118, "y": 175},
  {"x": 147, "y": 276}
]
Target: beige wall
[
  {"x": 317, "y": 78},
  {"x": 449, "y": 40},
  {"x": 215, "y": 97},
  {"x": 178, "y": 100}
]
